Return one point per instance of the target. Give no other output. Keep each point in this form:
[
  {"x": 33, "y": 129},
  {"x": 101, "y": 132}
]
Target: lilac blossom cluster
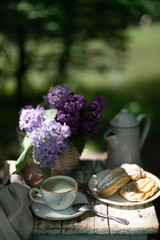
[
  {"x": 72, "y": 110},
  {"x": 48, "y": 141},
  {"x": 31, "y": 118},
  {"x": 58, "y": 95},
  {"x": 48, "y": 138},
  {"x": 92, "y": 115}
]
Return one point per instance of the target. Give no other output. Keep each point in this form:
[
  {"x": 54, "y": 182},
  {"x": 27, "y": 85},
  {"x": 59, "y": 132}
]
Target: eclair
[
  {"x": 114, "y": 179},
  {"x": 139, "y": 190},
  {"x": 134, "y": 171}
]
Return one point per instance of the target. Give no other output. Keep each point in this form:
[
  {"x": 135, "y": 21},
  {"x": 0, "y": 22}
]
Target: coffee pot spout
[{"x": 111, "y": 137}]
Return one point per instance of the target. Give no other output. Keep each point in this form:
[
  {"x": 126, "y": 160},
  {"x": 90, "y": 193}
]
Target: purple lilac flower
[
  {"x": 58, "y": 95},
  {"x": 71, "y": 119},
  {"x": 46, "y": 153},
  {"x": 89, "y": 128},
  {"x": 96, "y": 107},
  {"x": 26, "y": 107},
  {"x": 74, "y": 103},
  {"x": 48, "y": 141},
  {"x": 90, "y": 118},
  {"x": 89, "y": 124},
  {"x": 70, "y": 114},
  {"x": 98, "y": 104},
  {"x": 31, "y": 118}
]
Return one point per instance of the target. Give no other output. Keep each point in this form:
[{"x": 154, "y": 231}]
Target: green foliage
[
  {"x": 50, "y": 114},
  {"x": 46, "y": 170},
  {"x": 25, "y": 154},
  {"x": 67, "y": 22},
  {"x": 79, "y": 142}
]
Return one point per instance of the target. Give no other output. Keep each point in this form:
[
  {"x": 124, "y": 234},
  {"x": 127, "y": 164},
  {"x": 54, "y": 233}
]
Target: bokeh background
[{"x": 97, "y": 47}]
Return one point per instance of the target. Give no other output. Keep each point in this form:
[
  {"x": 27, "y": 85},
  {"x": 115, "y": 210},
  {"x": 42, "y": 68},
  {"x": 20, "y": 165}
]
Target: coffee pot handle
[{"x": 146, "y": 127}]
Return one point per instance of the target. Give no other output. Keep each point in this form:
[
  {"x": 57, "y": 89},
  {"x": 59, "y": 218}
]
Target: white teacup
[{"x": 57, "y": 192}]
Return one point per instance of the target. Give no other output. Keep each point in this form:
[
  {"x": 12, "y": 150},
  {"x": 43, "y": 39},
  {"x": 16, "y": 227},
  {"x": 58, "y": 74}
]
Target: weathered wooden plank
[
  {"x": 139, "y": 237},
  {"x": 92, "y": 155},
  {"x": 82, "y": 225},
  {"x": 101, "y": 223},
  {"x": 88, "y": 223},
  {"x": 89, "y": 237},
  {"x": 81, "y": 237},
  {"x": 43, "y": 226},
  {"x": 143, "y": 219}
]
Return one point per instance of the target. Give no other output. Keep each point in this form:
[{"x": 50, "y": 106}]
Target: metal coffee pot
[{"x": 124, "y": 138}]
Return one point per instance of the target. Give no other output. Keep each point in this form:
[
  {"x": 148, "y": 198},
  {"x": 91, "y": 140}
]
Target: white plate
[
  {"x": 45, "y": 212},
  {"x": 117, "y": 199}
]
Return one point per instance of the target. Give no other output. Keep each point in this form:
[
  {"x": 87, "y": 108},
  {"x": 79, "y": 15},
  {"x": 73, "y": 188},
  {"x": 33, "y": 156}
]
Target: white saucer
[
  {"x": 45, "y": 212},
  {"x": 117, "y": 199}
]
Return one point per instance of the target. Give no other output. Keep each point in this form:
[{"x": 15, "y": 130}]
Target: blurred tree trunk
[
  {"x": 68, "y": 28},
  {"x": 63, "y": 62},
  {"x": 21, "y": 66}
]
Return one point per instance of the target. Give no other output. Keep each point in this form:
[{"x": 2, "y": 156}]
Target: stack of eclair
[{"x": 129, "y": 180}]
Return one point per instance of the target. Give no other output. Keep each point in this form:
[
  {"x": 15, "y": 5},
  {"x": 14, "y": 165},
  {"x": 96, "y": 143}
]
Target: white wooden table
[{"x": 143, "y": 219}]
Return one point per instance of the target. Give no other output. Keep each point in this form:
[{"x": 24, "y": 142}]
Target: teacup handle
[{"x": 37, "y": 199}]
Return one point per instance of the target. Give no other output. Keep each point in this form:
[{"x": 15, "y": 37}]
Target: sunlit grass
[
  {"x": 144, "y": 54},
  {"x": 140, "y": 63}
]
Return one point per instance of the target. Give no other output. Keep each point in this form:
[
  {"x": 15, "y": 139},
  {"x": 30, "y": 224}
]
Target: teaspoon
[{"x": 87, "y": 207}]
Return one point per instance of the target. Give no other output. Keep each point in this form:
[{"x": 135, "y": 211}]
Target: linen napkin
[{"x": 16, "y": 220}]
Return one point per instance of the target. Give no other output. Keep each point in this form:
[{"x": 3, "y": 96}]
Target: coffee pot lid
[{"x": 124, "y": 119}]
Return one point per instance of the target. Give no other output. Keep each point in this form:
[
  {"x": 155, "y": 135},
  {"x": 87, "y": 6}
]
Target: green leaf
[
  {"x": 79, "y": 142},
  {"x": 24, "y": 157},
  {"x": 50, "y": 114},
  {"x": 47, "y": 170},
  {"x": 25, "y": 142}
]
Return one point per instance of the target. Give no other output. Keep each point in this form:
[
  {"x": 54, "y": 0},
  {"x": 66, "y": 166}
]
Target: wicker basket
[{"x": 67, "y": 162}]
